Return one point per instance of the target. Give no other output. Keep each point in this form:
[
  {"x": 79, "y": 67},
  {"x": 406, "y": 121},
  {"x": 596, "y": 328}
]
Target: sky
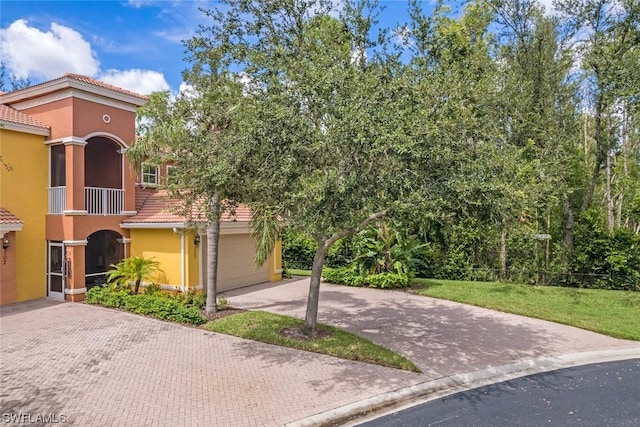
[{"x": 133, "y": 44}]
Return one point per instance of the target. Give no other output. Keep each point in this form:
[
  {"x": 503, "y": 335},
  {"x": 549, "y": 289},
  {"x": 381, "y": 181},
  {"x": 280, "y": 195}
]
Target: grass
[
  {"x": 295, "y": 272},
  {"x": 613, "y": 313},
  {"x": 266, "y": 327}
]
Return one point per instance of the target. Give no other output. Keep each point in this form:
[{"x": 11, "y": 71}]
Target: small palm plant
[{"x": 133, "y": 269}]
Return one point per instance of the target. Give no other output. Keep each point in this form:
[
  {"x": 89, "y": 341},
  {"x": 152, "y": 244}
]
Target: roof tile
[
  {"x": 6, "y": 217},
  {"x": 11, "y": 115},
  {"x": 159, "y": 207}
]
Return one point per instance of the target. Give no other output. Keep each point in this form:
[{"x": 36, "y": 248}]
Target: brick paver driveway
[
  {"x": 92, "y": 366},
  {"x": 441, "y": 337},
  {"x": 97, "y": 366}
]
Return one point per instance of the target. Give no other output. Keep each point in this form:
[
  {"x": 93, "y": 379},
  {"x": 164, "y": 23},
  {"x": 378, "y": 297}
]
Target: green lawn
[
  {"x": 295, "y": 272},
  {"x": 614, "y": 313},
  {"x": 266, "y": 327}
]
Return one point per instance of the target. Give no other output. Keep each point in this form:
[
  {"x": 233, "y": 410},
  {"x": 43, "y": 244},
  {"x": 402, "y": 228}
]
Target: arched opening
[
  {"x": 102, "y": 163},
  {"x": 103, "y": 248},
  {"x": 103, "y": 177}
]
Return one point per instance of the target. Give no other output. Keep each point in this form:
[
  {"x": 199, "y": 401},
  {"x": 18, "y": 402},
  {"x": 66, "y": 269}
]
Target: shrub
[
  {"x": 152, "y": 289},
  {"x": 159, "y": 305},
  {"x": 191, "y": 299},
  {"x": 387, "y": 280},
  {"x": 343, "y": 276},
  {"x": 298, "y": 249},
  {"x": 350, "y": 277},
  {"x": 108, "y": 296},
  {"x": 223, "y": 303}
]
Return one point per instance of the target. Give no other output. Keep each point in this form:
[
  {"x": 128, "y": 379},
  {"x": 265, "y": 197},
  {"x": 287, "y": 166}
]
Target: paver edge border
[{"x": 409, "y": 396}]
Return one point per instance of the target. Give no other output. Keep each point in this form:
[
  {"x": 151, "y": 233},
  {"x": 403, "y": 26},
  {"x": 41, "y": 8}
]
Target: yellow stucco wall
[
  {"x": 275, "y": 263},
  {"x": 163, "y": 245},
  {"x": 193, "y": 260},
  {"x": 23, "y": 191}
]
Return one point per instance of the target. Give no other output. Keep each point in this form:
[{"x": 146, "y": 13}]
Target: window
[
  {"x": 149, "y": 175},
  {"x": 57, "y": 178}
]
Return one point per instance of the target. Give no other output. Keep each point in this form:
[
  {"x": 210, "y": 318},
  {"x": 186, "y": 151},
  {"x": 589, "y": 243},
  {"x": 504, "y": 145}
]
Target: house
[{"x": 71, "y": 204}]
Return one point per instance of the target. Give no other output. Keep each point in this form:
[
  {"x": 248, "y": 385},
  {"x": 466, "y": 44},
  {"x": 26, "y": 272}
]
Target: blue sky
[{"x": 135, "y": 44}]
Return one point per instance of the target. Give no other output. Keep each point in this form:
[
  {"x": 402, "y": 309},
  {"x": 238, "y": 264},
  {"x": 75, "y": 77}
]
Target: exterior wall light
[
  {"x": 196, "y": 240},
  {"x": 5, "y": 246}
]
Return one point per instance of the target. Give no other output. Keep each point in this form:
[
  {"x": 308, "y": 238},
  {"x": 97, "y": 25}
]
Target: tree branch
[{"x": 357, "y": 228}]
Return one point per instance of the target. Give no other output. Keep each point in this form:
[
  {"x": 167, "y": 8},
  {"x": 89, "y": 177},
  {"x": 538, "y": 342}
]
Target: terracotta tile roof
[
  {"x": 8, "y": 114},
  {"x": 158, "y": 207},
  {"x": 83, "y": 79},
  {"x": 103, "y": 85},
  {"x": 7, "y": 217}
]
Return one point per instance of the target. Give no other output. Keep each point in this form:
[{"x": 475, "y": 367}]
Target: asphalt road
[{"x": 598, "y": 395}]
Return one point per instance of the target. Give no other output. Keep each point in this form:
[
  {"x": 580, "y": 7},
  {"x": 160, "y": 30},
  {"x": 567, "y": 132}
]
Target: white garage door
[{"x": 235, "y": 262}]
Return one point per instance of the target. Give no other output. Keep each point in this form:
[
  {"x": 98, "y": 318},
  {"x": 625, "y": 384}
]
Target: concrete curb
[{"x": 423, "y": 392}]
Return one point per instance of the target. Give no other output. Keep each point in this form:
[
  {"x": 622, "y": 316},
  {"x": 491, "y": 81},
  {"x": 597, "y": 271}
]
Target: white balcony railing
[
  {"x": 57, "y": 200},
  {"x": 103, "y": 201},
  {"x": 97, "y": 201}
]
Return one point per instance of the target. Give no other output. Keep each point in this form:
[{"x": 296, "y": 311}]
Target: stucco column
[
  {"x": 74, "y": 170},
  {"x": 75, "y": 254},
  {"x": 129, "y": 179}
]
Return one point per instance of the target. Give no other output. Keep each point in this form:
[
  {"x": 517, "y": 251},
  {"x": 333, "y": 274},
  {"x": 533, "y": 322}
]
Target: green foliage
[
  {"x": 161, "y": 306},
  {"x": 223, "y": 303},
  {"x": 349, "y": 276},
  {"x": 382, "y": 249},
  {"x": 108, "y": 296},
  {"x": 133, "y": 269},
  {"x": 152, "y": 289},
  {"x": 192, "y": 298},
  {"x": 297, "y": 249},
  {"x": 343, "y": 276},
  {"x": 611, "y": 261}
]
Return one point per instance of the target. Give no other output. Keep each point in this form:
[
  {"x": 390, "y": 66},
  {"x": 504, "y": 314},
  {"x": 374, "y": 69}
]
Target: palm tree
[{"x": 133, "y": 269}]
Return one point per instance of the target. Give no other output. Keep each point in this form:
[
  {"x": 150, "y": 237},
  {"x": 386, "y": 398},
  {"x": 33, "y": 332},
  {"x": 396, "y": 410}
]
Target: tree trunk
[
  {"x": 503, "y": 252},
  {"x": 213, "y": 238},
  {"x": 569, "y": 237},
  {"x": 311, "y": 317},
  {"x": 608, "y": 195},
  {"x": 601, "y": 154},
  {"x": 137, "y": 287}
]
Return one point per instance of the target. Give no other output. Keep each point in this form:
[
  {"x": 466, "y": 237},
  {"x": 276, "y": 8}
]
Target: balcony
[{"x": 97, "y": 201}]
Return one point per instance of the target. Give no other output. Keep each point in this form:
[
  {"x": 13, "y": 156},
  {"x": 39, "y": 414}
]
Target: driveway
[
  {"x": 92, "y": 366},
  {"x": 442, "y": 338},
  {"x": 97, "y": 366}
]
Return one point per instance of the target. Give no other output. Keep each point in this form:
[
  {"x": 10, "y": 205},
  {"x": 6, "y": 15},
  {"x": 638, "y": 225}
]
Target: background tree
[
  {"x": 322, "y": 120},
  {"x": 190, "y": 133}
]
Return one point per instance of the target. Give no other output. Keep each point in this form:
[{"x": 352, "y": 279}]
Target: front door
[{"x": 56, "y": 271}]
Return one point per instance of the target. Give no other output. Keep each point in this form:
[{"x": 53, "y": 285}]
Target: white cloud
[
  {"x": 30, "y": 52},
  {"x": 135, "y": 80}
]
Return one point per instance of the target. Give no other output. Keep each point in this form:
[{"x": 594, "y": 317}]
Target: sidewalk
[{"x": 98, "y": 366}]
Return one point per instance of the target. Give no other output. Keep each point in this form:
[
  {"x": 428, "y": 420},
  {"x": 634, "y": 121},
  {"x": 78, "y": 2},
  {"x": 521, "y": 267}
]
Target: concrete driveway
[{"x": 89, "y": 365}]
